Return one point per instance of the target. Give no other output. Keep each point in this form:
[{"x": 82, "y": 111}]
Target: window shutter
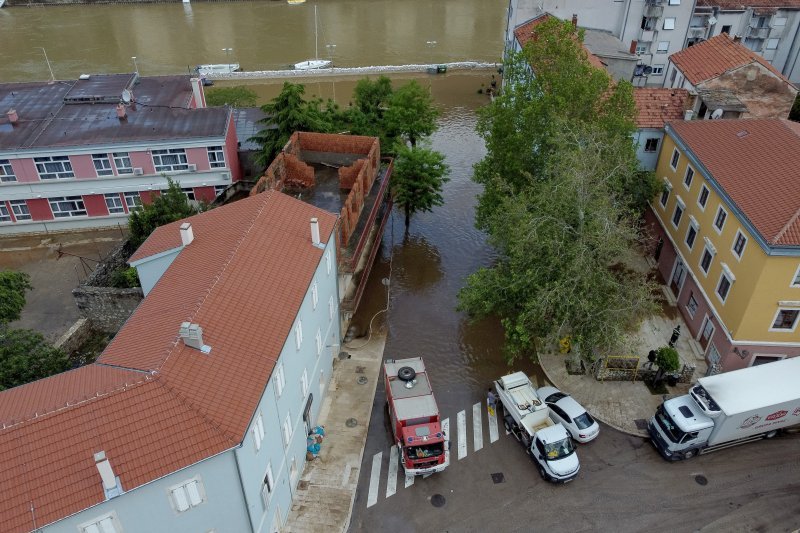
[
  {"x": 179, "y": 496},
  {"x": 193, "y": 490},
  {"x": 92, "y": 528},
  {"x": 107, "y": 525},
  {"x": 256, "y": 438}
]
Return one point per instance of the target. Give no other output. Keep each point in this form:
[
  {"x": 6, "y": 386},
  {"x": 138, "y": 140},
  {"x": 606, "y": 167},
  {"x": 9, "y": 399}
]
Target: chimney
[
  {"x": 187, "y": 234},
  {"x": 121, "y": 113},
  {"x": 192, "y": 335},
  {"x": 110, "y": 481},
  {"x": 574, "y": 20},
  {"x": 198, "y": 92},
  {"x": 12, "y": 115},
  {"x": 737, "y": 38},
  {"x": 688, "y": 115},
  {"x": 315, "y": 233},
  {"x": 633, "y": 47}
]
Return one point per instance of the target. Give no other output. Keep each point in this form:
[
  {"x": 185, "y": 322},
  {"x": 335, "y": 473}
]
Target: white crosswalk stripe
[
  {"x": 461, "y": 428},
  {"x": 374, "y": 479},
  {"x": 391, "y": 483},
  {"x": 492, "y": 422},
  {"x": 477, "y": 427}
]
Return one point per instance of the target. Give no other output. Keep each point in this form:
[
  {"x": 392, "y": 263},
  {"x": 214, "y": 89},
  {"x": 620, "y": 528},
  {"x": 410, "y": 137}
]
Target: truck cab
[
  {"x": 554, "y": 453},
  {"x": 679, "y": 429}
]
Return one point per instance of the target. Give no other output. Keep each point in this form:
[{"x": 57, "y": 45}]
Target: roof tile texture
[{"x": 657, "y": 106}]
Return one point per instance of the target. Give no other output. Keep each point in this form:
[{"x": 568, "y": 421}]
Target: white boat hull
[
  {"x": 217, "y": 68},
  {"x": 312, "y": 64}
]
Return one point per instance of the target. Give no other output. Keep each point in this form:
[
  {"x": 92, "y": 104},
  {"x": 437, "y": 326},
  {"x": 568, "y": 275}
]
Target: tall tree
[
  {"x": 13, "y": 286},
  {"x": 411, "y": 114},
  {"x": 419, "y": 175},
  {"x": 167, "y": 207},
  {"x": 25, "y": 356}
]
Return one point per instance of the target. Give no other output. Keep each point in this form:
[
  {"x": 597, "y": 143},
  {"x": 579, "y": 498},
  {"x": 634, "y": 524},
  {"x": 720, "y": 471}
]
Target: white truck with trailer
[
  {"x": 728, "y": 409},
  {"x": 527, "y": 417}
]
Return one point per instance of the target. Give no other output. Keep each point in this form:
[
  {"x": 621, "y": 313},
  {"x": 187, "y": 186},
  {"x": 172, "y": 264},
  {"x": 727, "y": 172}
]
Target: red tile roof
[
  {"x": 152, "y": 404},
  {"x": 525, "y": 33},
  {"x": 757, "y": 163},
  {"x": 655, "y": 107},
  {"x": 716, "y": 56}
]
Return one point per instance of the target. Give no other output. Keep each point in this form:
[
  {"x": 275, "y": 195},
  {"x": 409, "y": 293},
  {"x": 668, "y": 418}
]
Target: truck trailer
[{"x": 728, "y": 409}]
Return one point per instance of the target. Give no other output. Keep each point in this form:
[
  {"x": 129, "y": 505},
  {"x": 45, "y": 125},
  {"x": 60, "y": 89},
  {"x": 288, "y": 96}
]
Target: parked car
[{"x": 564, "y": 409}]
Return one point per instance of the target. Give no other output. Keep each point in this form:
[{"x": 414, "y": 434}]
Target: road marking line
[
  {"x": 391, "y": 483},
  {"x": 477, "y": 427},
  {"x": 461, "y": 427},
  {"x": 374, "y": 479},
  {"x": 492, "y": 422}
]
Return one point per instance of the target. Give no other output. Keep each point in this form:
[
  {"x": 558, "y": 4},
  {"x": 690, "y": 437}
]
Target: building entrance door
[
  {"x": 706, "y": 333},
  {"x": 677, "y": 277}
]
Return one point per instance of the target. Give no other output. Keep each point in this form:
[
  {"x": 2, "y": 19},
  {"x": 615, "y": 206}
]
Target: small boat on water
[
  {"x": 295, "y": 2},
  {"x": 316, "y": 63},
  {"x": 217, "y": 68}
]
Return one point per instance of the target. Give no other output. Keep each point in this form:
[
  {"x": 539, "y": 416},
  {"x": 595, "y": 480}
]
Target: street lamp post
[
  {"x": 52, "y": 76},
  {"x": 228, "y": 58},
  {"x": 135, "y": 66},
  {"x": 331, "y": 50}
]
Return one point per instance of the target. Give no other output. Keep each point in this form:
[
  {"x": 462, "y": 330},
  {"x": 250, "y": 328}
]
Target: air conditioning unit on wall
[
  {"x": 192, "y": 168},
  {"x": 138, "y": 171}
]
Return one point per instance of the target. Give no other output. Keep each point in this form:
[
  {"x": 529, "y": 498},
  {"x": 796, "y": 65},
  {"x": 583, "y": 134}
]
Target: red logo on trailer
[
  {"x": 777, "y": 414},
  {"x": 796, "y": 412}
]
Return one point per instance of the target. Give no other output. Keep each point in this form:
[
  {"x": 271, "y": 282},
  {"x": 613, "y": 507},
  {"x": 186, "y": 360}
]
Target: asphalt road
[{"x": 623, "y": 485}]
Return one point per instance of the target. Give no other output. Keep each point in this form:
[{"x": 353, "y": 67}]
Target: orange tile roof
[
  {"x": 526, "y": 31},
  {"x": 656, "y": 106},
  {"x": 152, "y": 404},
  {"x": 757, "y": 163},
  {"x": 716, "y": 56}
]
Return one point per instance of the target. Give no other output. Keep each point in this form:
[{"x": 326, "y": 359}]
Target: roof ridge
[{"x": 786, "y": 227}]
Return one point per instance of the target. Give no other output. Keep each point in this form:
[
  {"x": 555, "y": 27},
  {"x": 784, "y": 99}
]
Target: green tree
[
  {"x": 417, "y": 181},
  {"x": 167, "y": 207},
  {"x": 238, "y": 96},
  {"x": 366, "y": 117},
  {"x": 411, "y": 115},
  {"x": 13, "y": 286},
  {"x": 25, "y": 356}
]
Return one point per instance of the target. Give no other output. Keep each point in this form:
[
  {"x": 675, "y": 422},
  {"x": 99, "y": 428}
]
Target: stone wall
[
  {"x": 75, "y": 336},
  {"x": 644, "y": 372}
]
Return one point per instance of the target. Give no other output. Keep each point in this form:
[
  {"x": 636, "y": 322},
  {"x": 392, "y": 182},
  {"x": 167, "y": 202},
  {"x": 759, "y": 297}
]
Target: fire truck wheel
[{"x": 406, "y": 373}]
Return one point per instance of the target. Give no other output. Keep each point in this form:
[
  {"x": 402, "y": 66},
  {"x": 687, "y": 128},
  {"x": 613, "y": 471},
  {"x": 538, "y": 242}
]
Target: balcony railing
[
  {"x": 647, "y": 36},
  {"x": 653, "y": 10},
  {"x": 757, "y": 33}
]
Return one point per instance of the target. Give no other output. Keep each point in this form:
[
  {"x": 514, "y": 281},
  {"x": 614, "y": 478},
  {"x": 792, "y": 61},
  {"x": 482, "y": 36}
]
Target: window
[
  {"x": 778, "y": 21},
  {"x": 219, "y": 189},
  {"x": 772, "y": 44},
  {"x": 691, "y": 236},
  {"x": 705, "y": 261},
  {"x": 69, "y": 206},
  {"x": 702, "y": 199},
  {"x": 687, "y": 179},
  {"x": 664, "y": 196},
  {"x": 642, "y": 48},
  {"x": 648, "y": 23},
  {"x": 677, "y": 214},
  {"x": 170, "y": 160},
  {"x": 669, "y": 23},
  {"x": 189, "y": 192},
  {"x": 186, "y": 495},
  {"x": 20, "y": 210},
  {"x": 123, "y": 163},
  {"x": 216, "y": 157},
  {"x": 108, "y": 523},
  {"x": 133, "y": 200},
  {"x": 663, "y": 47},
  {"x": 676, "y": 156},
  {"x": 298, "y": 334},
  {"x": 56, "y": 167},
  {"x": 795, "y": 280},
  {"x": 658, "y": 70},
  {"x": 6, "y": 172},
  {"x": 328, "y": 261},
  {"x": 691, "y": 304},
  {"x": 332, "y": 305},
  {"x": 724, "y": 286},
  {"x": 726, "y": 29},
  {"x": 314, "y": 294},
  {"x": 318, "y": 338},
  {"x": 258, "y": 431},
  {"x": 287, "y": 430},
  {"x": 268, "y": 486},
  {"x": 280, "y": 380},
  {"x": 738, "y": 244},
  {"x": 102, "y": 165},
  {"x": 5, "y": 215},
  {"x": 674, "y": 2},
  {"x": 304, "y": 383},
  {"x": 785, "y": 320},
  {"x": 114, "y": 203},
  {"x": 719, "y": 221},
  {"x": 651, "y": 145}
]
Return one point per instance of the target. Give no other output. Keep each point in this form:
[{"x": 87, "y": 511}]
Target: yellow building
[{"x": 727, "y": 235}]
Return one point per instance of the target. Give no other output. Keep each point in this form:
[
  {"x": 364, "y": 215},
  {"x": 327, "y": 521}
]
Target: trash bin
[{"x": 672, "y": 380}]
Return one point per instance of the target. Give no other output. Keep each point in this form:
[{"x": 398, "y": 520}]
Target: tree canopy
[
  {"x": 25, "y": 356},
  {"x": 167, "y": 207},
  {"x": 238, "y": 96},
  {"x": 411, "y": 115},
  {"x": 419, "y": 175},
  {"x": 13, "y": 286}
]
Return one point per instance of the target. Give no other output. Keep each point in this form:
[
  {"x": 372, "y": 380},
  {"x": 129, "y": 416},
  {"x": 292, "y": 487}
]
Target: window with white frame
[
  {"x": 785, "y": 320},
  {"x": 304, "y": 383},
  {"x": 268, "y": 486},
  {"x": 216, "y": 157},
  {"x": 676, "y": 156},
  {"x": 67, "y": 206},
  {"x": 258, "y": 431},
  {"x": 674, "y": 2},
  {"x": 5, "y": 214},
  {"x": 328, "y": 261},
  {"x": 702, "y": 198},
  {"x": 691, "y": 235},
  {"x": 663, "y": 47},
  {"x": 170, "y": 160},
  {"x": 669, "y": 23},
  {"x": 678, "y": 213},
  {"x": 102, "y": 165},
  {"x": 187, "y": 495},
  {"x": 133, "y": 200},
  {"x": 719, "y": 220},
  {"x": 665, "y": 193},
  {"x": 298, "y": 334},
  {"x": 796, "y": 278},
  {"x": 687, "y": 179},
  {"x": 287, "y": 429},
  {"x": 642, "y": 48},
  {"x": 55, "y": 167},
  {"x": 108, "y": 523},
  {"x": 6, "y": 172},
  {"x": 651, "y": 145},
  {"x": 114, "y": 203},
  {"x": 691, "y": 304},
  {"x": 218, "y": 189},
  {"x": 318, "y": 338},
  {"x": 280, "y": 379},
  {"x": 332, "y": 305},
  {"x": 314, "y": 294},
  {"x": 724, "y": 285},
  {"x": 123, "y": 162},
  {"x": 20, "y": 210},
  {"x": 658, "y": 70},
  {"x": 189, "y": 192},
  {"x": 772, "y": 44},
  {"x": 705, "y": 260},
  {"x": 738, "y": 244}
]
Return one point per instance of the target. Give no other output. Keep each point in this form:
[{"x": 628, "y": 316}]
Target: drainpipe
[
  {"x": 792, "y": 49},
  {"x": 241, "y": 486},
  {"x": 625, "y": 21}
]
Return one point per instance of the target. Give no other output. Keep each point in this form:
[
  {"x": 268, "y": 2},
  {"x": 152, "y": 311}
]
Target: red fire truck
[{"x": 417, "y": 426}]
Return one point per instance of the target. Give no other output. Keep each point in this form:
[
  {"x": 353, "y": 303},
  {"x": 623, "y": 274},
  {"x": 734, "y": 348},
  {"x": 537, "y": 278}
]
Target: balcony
[
  {"x": 647, "y": 36},
  {"x": 653, "y": 10},
  {"x": 757, "y": 33},
  {"x": 697, "y": 32}
]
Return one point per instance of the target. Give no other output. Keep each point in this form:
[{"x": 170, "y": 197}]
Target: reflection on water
[{"x": 424, "y": 259}]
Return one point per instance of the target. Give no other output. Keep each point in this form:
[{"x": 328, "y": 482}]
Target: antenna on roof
[
  {"x": 717, "y": 113},
  {"x": 126, "y": 96}
]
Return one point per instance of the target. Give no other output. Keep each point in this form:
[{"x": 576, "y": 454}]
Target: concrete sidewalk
[{"x": 324, "y": 497}]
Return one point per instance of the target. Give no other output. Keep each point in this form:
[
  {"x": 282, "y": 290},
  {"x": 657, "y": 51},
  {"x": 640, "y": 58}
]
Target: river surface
[{"x": 263, "y": 35}]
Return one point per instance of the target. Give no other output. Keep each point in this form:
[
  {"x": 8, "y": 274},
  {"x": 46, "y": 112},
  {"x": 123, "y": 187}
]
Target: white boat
[
  {"x": 217, "y": 68},
  {"x": 316, "y": 63}
]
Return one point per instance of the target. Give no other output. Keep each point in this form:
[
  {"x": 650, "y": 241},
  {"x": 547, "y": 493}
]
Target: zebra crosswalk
[{"x": 393, "y": 468}]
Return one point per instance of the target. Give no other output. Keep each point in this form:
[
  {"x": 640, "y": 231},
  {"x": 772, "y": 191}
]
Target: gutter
[{"x": 241, "y": 485}]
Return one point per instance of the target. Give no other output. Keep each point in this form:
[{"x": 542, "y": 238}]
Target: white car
[{"x": 564, "y": 409}]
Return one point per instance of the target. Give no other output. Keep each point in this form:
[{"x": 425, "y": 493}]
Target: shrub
[
  {"x": 667, "y": 359},
  {"x": 125, "y": 278}
]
